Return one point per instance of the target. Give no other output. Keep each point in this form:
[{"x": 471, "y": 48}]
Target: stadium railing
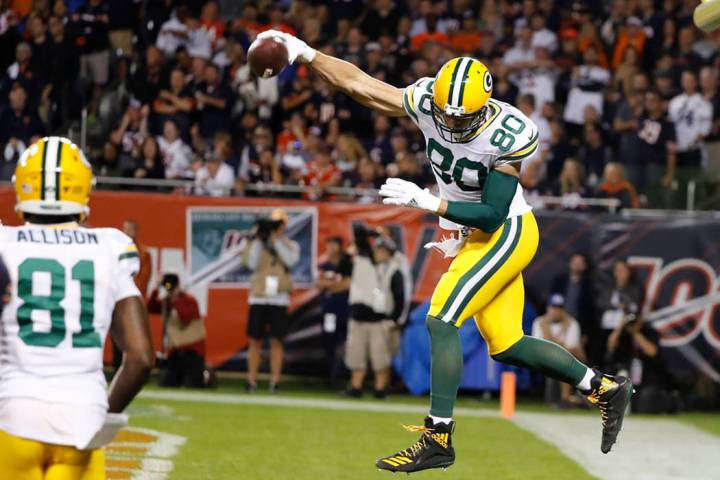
[
  {"x": 539, "y": 201},
  {"x": 139, "y": 184}
]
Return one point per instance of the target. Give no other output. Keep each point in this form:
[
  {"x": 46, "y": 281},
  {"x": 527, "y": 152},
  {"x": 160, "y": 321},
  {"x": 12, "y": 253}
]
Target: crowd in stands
[{"x": 625, "y": 93}]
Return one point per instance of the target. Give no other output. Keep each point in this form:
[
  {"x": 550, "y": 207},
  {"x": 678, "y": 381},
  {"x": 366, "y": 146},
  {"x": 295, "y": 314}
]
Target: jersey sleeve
[
  {"x": 126, "y": 259},
  {"x": 525, "y": 143},
  {"x": 415, "y": 99}
]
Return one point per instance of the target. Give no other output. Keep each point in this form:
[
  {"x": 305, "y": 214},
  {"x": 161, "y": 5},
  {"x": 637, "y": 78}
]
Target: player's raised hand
[
  {"x": 297, "y": 49},
  {"x": 403, "y": 193}
]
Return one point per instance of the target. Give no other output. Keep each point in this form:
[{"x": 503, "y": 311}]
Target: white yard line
[{"x": 647, "y": 449}]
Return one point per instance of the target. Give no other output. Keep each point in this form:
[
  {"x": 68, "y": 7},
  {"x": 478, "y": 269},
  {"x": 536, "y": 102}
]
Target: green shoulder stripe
[
  {"x": 125, "y": 255},
  {"x": 407, "y": 104}
]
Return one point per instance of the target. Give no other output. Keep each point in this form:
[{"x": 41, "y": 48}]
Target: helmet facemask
[{"x": 456, "y": 126}]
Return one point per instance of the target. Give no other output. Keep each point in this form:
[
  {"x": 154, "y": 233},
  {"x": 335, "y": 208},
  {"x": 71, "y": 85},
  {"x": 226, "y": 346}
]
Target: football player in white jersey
[
  {"x": 68, "y": 286},
  {"x": 475, "y": 146}
]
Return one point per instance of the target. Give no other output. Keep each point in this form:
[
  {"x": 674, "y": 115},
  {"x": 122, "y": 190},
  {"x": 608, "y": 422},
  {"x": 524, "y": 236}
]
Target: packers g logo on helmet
[
  {"x": 461, "y": 91},
  {"x": 53, "y": 177}
]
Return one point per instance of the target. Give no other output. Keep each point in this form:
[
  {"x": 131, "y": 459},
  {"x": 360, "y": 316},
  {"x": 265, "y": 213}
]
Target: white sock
[
  {"x": 584, "y": 385},
  {"x": 437, "y": 420}
]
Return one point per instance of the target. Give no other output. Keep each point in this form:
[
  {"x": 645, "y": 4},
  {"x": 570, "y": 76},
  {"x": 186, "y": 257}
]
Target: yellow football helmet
[
  {"x": 53, "y": 178},
  {"x": 461, "y": 91}
]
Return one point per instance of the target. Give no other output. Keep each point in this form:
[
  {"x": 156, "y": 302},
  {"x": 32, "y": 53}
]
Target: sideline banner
[{"x": 676, "y": 259}]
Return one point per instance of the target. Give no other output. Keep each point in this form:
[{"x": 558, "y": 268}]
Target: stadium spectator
[
  {"x": 617, "y": 297},
  {"x": 577, "y": 288},
  {"x": 63, "y": 67},
  {"x": 271, "y": 255},
  {"x": 176, "y": 154},
  {"x": 614, "y": 185},
  {"x": 377, "y": 303},
  {"x": 149, "y": 78},
  {"x": 184, "y": 341},
  {"x": 655, "y": 150},
  {"x": 213, "y": 102},
  {"x": 174, "y": 32},
  {"x": 21, "y": 72},
  {"x": 131, "y": 133},
  {"x": 692, "y": 115},
  {"x": 177, "y": 103},
  {"x": 215, "y": 178},
  {"x": 322, "y": 173},
  {"x": 594, "y": 153},
  {"x": 634, "y": 350},
  {"x": 558, "y": 326},
  {"x": 90, "y": 24},
  {"x": 147, "y": 162},
  {"x": 588, "y": 82},
  {"x": 334, "y": 276},
  {"x": 19, "y": 124},
  {"x": 570, "y": 184}
]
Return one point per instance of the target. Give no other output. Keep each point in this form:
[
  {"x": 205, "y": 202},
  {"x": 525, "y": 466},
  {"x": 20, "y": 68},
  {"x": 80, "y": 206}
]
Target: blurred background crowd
[{"x": 625, "y": 93}]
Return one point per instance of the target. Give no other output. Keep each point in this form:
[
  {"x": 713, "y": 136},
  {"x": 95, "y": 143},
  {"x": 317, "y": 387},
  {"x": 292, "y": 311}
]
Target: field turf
[{"x": 277, "y": 443}]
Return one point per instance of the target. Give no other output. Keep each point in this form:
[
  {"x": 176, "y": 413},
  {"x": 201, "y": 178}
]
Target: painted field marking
[{"x": 141, "y": 454}]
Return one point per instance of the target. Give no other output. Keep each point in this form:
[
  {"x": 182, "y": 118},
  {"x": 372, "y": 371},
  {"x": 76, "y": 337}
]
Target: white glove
[
  {"x": 402, "y": 193},
  {"x": 297, "y": 49}
]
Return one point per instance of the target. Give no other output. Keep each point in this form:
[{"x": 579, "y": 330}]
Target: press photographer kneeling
[
  {"x": 183, "y": 334},
  {"x": 271, "y": 255},
  {"x": 633, "y": 350}
]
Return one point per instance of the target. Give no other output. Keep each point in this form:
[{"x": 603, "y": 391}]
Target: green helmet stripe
[{"x": 463, "y": 80}]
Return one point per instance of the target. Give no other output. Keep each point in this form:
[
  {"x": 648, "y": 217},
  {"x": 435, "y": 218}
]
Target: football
[{"x": 267, "y": 57}]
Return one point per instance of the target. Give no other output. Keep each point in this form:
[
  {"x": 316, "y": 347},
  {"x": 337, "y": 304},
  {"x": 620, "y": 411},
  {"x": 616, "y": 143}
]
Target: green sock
[
  {"x": 446, "y": 366},
  {"x": 548, "y": 358}
]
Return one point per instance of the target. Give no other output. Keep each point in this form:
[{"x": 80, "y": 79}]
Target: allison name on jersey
[
  {"x": 460, "y": 168},
  {"x": 64, "y": 283}
]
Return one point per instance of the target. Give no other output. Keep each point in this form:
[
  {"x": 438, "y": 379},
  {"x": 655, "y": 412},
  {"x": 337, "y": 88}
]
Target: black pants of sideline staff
[{"x": 183, "y": 368}]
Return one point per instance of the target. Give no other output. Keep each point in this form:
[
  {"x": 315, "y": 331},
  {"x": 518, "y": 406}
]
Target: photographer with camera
[
  {"x": 633, "y": 350},
  {"x": 183, "y": 334},
  {"x": 271, "y": 255},
  {"x": 378, "y": 297}
]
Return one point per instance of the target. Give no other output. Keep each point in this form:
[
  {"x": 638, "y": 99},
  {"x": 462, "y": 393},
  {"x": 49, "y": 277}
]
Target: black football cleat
[
  {"x": 433, "y": 450},
  {"x": 612, "y": 395}
]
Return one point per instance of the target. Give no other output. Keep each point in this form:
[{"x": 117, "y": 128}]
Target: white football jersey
[
  {"x": 64, "y": 283},
  {"x": 507, "y": 136}
]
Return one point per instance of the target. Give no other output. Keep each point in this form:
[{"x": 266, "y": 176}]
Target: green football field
[{"x": 300, "y": 435}]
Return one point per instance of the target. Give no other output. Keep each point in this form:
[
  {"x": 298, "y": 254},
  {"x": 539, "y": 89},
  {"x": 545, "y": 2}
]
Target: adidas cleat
[
  {"x": 612, "y": 396},
  {"x": 433, "y": 450}
]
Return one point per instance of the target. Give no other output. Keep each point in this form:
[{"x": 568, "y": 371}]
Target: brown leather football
[{"x": 267, "y": 57}]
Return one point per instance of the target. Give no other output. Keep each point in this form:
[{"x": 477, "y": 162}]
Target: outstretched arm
[
  {"x": 344, "y": 76},
  {"x": 363, "y": 88}
]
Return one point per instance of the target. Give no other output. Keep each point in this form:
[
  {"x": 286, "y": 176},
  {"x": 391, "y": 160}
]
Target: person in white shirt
[
  {"x": 521, "y": 56},
  {"x": 174, "y": 32},
  {"x": 216, "y": 178},
  {"x": 692, "y": 115},
  {"x": 558, "y": 326},
  {"x": 176, "y": 154},
  {"x": 588, "y": 82}
]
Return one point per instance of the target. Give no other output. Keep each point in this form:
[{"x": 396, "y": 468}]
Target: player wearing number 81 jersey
[
  {"x": 68, "y": 287},
  {"x": 476, "y": 146}
]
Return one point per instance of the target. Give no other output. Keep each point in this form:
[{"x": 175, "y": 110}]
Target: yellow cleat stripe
[{"x": 390, "y": 462}]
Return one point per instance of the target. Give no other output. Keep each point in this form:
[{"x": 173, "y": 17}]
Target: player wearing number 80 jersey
[
  {"x": 69, "y": 286},
  {"x": 475, "y": 146}
]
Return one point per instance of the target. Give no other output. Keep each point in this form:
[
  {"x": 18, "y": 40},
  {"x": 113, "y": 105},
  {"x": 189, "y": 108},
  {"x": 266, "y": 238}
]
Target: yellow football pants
[
  {"x": 22, "y": 459},
  {"x": 485, "y": 281}
]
